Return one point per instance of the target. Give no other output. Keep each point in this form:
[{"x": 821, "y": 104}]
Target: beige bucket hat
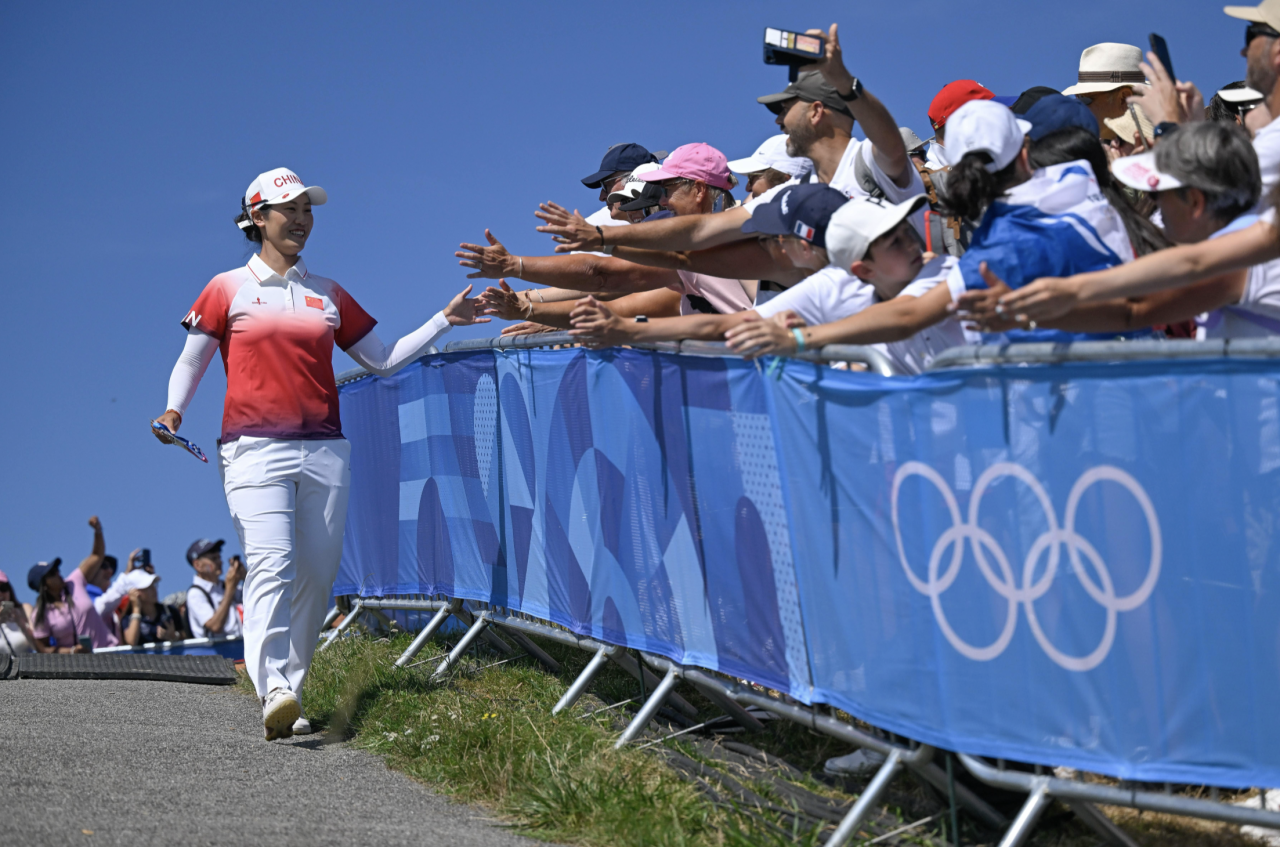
[
  {"x": 1267, "y": 12},
  {"x": 1108, "y": 66}
]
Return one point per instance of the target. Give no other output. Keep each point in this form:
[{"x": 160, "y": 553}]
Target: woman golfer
[{"x": 283, "y": 461}]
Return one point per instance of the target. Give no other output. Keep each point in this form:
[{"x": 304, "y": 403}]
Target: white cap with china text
[
  {"x": 1140, "y": 172},
  {"x": 280, "y": 186}
]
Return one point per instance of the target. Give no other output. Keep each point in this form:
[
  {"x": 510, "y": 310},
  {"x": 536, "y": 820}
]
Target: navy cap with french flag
[
  {"x": 280, "y": 186},
  {"x": 800, "y": 210}
]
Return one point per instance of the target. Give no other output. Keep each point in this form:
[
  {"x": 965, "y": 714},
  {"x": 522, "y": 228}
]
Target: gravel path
[{"x": 168, "y": 763}]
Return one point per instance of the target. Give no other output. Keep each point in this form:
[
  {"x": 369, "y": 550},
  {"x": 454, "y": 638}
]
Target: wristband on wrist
[
  {"x": 854, "y": 94},
  {"x": 521, "y": 274},
  {"x": 799, "y": 334},
  {"x": 606, "y": 249}
]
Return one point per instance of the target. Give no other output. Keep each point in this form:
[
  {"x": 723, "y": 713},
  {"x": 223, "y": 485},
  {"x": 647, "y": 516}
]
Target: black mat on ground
[{"x": 210, "y": 670}]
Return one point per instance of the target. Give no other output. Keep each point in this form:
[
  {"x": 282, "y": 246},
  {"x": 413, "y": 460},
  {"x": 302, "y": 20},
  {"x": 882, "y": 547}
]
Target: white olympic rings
[{"x": 1003, "y": 579}]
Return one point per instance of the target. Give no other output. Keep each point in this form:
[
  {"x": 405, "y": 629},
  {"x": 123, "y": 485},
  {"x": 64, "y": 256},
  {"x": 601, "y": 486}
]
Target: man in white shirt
[{"x": 214, "y": 604}]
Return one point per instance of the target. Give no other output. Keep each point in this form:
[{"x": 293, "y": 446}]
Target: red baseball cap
[{"x": 954, "y": 95}]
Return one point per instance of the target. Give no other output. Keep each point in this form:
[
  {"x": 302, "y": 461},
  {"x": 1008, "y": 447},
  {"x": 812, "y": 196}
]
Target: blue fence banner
[
  {"x": 1069, "y": 565},
  {"x": 625, "y": 495}
]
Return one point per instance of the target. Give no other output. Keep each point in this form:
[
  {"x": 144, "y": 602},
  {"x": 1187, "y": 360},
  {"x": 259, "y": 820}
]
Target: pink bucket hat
[{"x": 693, "y": 161}]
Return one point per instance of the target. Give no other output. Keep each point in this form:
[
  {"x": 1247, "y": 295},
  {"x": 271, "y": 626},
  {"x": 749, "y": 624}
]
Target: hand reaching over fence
[
  {"x": 489, "y": 262},
  {"x": 568, "y": 229},
  {"x": 755, "y": 337}
]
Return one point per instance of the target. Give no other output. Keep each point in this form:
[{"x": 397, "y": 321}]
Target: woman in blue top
[{"x": 1042, "y": 214}]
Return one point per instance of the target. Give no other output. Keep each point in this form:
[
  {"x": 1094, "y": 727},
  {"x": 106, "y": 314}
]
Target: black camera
[{"x": 793, "y": 49}]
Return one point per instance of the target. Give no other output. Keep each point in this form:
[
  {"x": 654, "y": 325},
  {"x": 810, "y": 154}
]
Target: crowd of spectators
[
  {"x": 1001, "y": 226},
  {"x": 97, "y": 606}
]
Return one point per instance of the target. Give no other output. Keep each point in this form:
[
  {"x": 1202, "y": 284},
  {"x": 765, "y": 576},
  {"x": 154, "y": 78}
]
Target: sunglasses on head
[{"x": 1256, "y": 29}]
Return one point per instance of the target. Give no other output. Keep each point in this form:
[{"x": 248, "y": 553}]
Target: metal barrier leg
[
  {"x": 730, "y": 707},
  {"x": 584, "y": 679},
  {"x": 473, "y": 632},
  {"x": 334, "y": 634},
  {"x": 648, "y": 710},
  {"x": 330, "y": 618},
  {"x": 1106, "y": 828},
  {"x": 1022, "y": 825},
  {"x": 532, "y": 649},
  {"x": 628, "y": 664},
  {"x": 423, "y": 637},
  {"x": 867, "y": 801}
]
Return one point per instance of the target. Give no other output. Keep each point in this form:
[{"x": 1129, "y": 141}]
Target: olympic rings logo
[{"x": 1002, "y": 578}]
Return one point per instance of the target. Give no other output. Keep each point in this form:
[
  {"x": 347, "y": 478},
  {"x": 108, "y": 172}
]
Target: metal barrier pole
[
  {"x": 441, "y": 616},
  {"x": 876, "y": 361},
  {"x": 336, "y": 633},
  {"x": 330, "y": 617},
  {"x": 648, "y": 710},
  {"x": 1022, "y": 825},
  {"x": 867, "y": 800},
  {"x": 532, "y": 649},
  {"x": 632, "y": 667},
  {"x": 1110, "y": 795},
  {"x": 473, "y": 632},
  {"x": 583, "y": 680},
  {"x": 715, "y": 693}
]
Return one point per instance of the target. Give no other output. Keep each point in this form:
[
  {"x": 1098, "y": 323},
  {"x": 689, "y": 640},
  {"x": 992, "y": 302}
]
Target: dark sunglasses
[
  {"x": 4, "y": 586},
  {"x": 1254, "y": 30}
]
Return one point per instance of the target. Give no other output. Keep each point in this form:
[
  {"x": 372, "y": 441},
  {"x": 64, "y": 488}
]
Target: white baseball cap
[
  {"x": 861, "y": 221},
  {"x": 772, "y": 154},
  {"x": 1140, "y": 172},
  {"x": 985, "y": 126},
  {"x": 632, "y": 188},
  {"x": 140, "y": 579},
  {"x": 1240, "y": 95},
  {"x": 280, "y": 186}
]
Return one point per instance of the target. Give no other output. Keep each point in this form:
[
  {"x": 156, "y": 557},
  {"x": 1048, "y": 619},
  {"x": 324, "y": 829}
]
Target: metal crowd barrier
[
  {"x": 1106, "y": 351},
  {"x": 732, "y": 696}
]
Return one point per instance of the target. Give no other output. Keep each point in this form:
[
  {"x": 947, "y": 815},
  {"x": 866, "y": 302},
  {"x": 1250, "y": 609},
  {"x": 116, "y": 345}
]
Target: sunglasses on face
[
  {"x": 1254, "y": 30},
  {"x": 670, "y": 188}
]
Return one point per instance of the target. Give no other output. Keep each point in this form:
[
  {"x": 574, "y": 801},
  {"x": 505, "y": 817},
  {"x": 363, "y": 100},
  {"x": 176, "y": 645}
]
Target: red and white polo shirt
[{"x": 276, "y": 334}]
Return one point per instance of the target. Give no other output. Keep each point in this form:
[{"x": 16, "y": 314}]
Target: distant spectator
[
  {"x": 107, "y": 572},
  {"x": 176, "y": 602},
  {"x": 770, "y": 166},
  {"x": 944, "y": 104},
  {"x": 1232, "y": 103},
  {"x": 213, "y": 604},
  {"x": 1108, "y": 72},
  {"x": 148, "y": 621},
  {"x": 113, "y": 600},
  {"x": 15, "y": 630},
  {"x": 63, "y": 612}
]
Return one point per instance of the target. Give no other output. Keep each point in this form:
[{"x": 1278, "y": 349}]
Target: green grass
[{"x": 486, "y": 736}]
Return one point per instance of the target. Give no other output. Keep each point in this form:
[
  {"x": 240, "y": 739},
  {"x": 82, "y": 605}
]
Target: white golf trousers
[{"x": 288, "y": 500}]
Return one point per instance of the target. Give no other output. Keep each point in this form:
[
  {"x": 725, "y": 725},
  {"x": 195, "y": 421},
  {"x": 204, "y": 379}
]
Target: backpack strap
[{"x": 865, "y": 179}]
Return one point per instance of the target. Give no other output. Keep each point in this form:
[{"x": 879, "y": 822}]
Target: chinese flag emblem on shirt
[{"x": 315, "y": 303}]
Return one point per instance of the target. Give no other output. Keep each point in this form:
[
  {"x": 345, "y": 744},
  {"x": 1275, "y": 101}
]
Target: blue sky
[{"x": 132, "y": 129}]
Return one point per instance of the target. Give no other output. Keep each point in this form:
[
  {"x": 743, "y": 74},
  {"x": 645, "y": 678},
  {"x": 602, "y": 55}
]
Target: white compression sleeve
[
  {"x": 190, "y": 367},
  {"x": 384, "y": 361}
]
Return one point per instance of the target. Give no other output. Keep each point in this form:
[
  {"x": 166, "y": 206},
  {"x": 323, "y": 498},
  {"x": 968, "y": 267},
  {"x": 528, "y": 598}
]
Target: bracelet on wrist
[
  {"x": 799, "y": 336},
  {"x": 521, "y": 274}
]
